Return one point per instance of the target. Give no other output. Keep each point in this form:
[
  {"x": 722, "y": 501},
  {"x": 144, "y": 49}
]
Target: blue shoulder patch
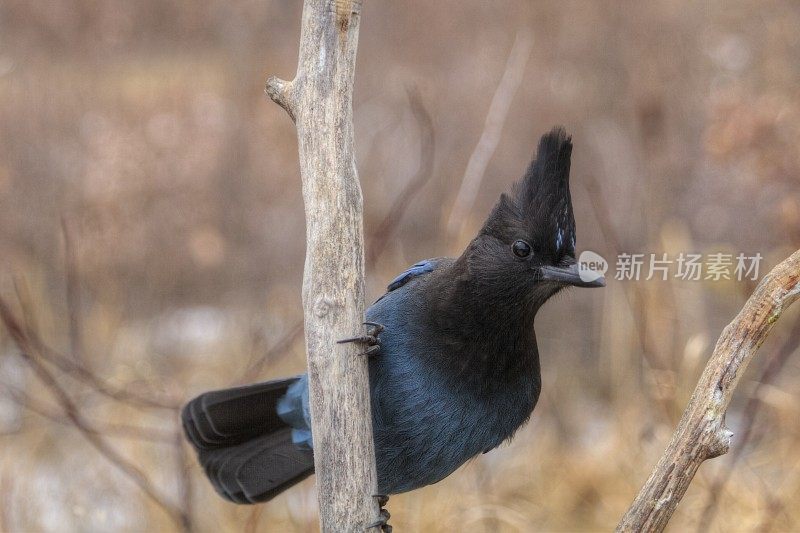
[{"x": 423, "y": 267}]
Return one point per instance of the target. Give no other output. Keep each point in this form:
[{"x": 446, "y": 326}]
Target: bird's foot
[
  {"x": 383, "y": 514},
  {"x": 370, "y": 340}
]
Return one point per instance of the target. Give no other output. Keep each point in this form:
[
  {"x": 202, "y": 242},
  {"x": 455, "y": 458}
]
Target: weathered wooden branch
[
  {"x": 319, "y": 100},
  {"x": 755, "y": 402},
  {"x": 701, "y": 432}
]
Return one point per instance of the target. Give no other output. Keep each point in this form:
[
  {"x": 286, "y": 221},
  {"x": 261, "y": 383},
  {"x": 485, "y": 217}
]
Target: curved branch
[
  {"x": 771, "y": 370},
  {"x": 701, "y": 433}
]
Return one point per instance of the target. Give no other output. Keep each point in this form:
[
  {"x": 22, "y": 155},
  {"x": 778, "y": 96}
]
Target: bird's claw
[
  {"x": 376, "y": 328},
  {"x": 383, "y": 514},
  {"x": 370, "y": 340}
]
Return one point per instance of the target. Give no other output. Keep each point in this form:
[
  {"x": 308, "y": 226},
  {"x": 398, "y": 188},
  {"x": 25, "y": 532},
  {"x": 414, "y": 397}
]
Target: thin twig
[
  {"x": 282, "y": 345},
  {"x": 78, "y": 371},
  {"x": 632, "y": 294},
  {"x": 251, "y": 525},
  {"x": 74, "y": 313},
  {"x": 492, "y": 130},
  {"x": 6, "y": 488},
  {"x": 380, "y": 236},
  {"x": 75, "y": 368},
  {"x": 603, "y": 216},
  {"x": 184, "y": 477},
  {"x": 23, "y": 292},
  {"x": 73, "y": 413},
  {"x": 113, "y": 429}
]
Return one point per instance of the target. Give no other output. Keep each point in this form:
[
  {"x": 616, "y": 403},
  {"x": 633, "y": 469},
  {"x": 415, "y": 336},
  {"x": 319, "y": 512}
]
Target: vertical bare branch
[
  {"x": 6, "y": 488},
  {"x": 73, "y": 294},
  {"x": 184, "y": 478},
  {"x": 492, "y": 129},
  {"x": 633, "y": 295},
  {"x": 251, "y": 526},
  {"x": 319, "y": 100},
  {"x": 427, "y": 144},
  {"x": 701, "y": 433}
]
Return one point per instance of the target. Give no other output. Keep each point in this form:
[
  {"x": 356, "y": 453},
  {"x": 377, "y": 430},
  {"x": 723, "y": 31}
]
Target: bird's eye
[{"x": 521, "y": 249}]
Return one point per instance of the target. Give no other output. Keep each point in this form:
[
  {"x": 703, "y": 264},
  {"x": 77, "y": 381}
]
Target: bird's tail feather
[{"x": 245, "y": 448}]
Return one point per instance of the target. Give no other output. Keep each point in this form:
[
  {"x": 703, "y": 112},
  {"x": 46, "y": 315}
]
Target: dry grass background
[{"x": 142, "y": 128}]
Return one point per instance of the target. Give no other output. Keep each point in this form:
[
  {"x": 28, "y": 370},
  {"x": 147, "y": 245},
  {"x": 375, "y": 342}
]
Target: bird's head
[{"x": 526, "y": 248}]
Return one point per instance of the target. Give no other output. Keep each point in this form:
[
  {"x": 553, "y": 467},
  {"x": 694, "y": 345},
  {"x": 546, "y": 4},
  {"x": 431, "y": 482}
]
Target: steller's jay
[{"x": 455, "y": 366}]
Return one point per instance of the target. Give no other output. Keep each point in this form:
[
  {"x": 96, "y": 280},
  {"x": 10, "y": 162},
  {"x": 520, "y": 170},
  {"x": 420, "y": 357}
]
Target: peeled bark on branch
[
  {"x": 701, "y": 432},
  {"x": 319, "y": 101}
]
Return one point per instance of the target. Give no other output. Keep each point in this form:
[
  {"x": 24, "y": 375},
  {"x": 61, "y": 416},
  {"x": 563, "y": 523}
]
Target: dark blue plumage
[
  {"x": 423, "y": 267},
  {"x": 458, "y": 368}
]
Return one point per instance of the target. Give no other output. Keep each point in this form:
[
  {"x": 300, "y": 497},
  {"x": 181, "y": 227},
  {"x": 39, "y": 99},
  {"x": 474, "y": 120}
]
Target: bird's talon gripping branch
[
  {"x": 383, "y": 521},
  {"x": 372, "y": 350},
  {"x": 370, "y": 340},
  {"x": 377, "y": 329}
]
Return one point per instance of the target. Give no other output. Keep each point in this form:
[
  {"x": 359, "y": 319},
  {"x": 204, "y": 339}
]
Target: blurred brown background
[{"x": 152, "y": 242}]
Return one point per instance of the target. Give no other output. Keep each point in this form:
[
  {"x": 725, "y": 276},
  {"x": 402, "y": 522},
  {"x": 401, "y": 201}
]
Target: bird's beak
[{"x": 573, "y": 275}]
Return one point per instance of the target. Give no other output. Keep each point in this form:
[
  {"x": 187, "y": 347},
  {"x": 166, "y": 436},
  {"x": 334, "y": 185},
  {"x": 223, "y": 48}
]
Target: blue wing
[{"x": 423, "y": 267}]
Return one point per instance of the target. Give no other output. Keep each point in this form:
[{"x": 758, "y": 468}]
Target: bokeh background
[{"x": 152, "y": 242}]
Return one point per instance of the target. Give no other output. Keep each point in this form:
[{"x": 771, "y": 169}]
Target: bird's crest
[{"x": 540, "y": 206}]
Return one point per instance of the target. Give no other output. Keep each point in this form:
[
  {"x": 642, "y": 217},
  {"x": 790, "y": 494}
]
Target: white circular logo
[{"x": 591, "y": 266}]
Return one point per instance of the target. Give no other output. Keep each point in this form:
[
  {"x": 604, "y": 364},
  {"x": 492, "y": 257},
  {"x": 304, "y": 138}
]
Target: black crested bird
[{"x": 456, "y": 366}]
